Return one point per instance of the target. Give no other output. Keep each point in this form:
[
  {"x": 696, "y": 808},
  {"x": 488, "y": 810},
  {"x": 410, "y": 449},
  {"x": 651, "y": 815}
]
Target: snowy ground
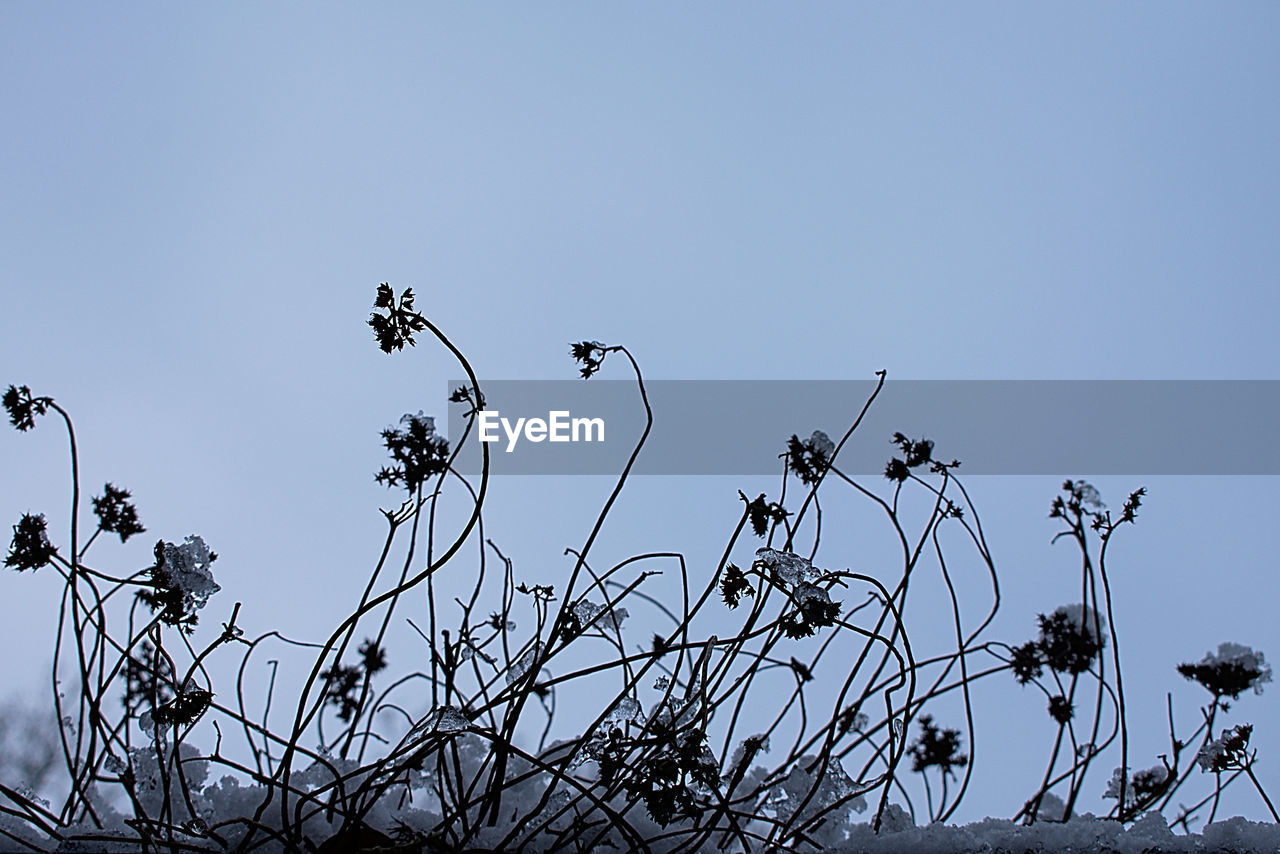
[{"x": 1148, "y": 835}]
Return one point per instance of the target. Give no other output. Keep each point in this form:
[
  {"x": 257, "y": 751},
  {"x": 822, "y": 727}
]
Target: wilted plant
[{"x": 450, "y": 757}]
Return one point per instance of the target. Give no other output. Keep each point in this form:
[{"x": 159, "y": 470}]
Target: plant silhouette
[{"x": 668, "y": 763}]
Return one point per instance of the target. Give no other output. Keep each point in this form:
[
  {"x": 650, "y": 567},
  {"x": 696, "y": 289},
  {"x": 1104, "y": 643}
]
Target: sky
[{"x": 199, "y": 202}]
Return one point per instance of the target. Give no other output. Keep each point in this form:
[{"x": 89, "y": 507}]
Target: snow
[
  {"x": 1083, "y": 619},
  {"x": 1084, "y": 833},
  {"x": 790, "y": 568},
  {"x": 1240, "y": 656},
  {"x": 520, "y": 668},
  {"x": 586, "y": 611},
  {"x": 186, "y": 567},
  {"x": 449, "y": 719}
]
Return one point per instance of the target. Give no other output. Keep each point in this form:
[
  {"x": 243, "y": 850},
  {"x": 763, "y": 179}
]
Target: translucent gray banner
[{"x": 717, "y": 427}]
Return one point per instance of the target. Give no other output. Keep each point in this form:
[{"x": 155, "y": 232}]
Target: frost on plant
[
  {"x": 1233, "y": 669},
  {"x": 809, "y": 459},
  {"x": 469, "y": 648},
  {"x": 1088, "y": 495},
  {"x": 182, "y": 581},
  {"x": 1228, "y": 751},
  {"x": 626, "y": 710},
  {"x": 786, "y": 567},
  {"x": 1143, "y": 786},
  {"x": 417, "y": 452},
  {"x": 1070, "y": 639},
  {"x": 814, "y": 610},
  {"x": 1052, "y": 808},
  {"x": 829, "y": 786},
  {"x": 448, "y": 719},
  {"x": 1081, "y": 620},
  {"x": 748, "y": 749},
  {"x": 144, "y": 766},
  {"x": 585, "y": 611},
  {"x": 183, "y": 709},
  {"x": 333, "y": 769},
  {"x": 521, "y": 667}
]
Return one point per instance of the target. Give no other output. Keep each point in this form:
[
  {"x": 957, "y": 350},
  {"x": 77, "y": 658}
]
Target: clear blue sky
[{"x": 197, "y": 202}]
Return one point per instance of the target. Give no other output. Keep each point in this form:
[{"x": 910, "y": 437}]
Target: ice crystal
[
  {"x": 448, "y": 719},
  {"x": 623, "y": 711},
  {"x": 520, "y": 668},
  {"x": 587, "y": 611},
  {"x": 787, "y": 567},
  {"x": 186, "y": 569}
]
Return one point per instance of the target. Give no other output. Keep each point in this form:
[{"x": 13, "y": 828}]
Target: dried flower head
[
  {"x": 733, "y": 585},
  {"x": 937, "y": 748},
  {"x": 23, "y": 408},
  {"x": 148, "y": 677},
  {"x": 417, "y": 453},
  {"x": 897, "y": 471},
  {"x": 342, "y": 688},
  {"x": 814, "y": 610},
  {"x": 1228, "y": 751},
  {"x": 659, "y": 645},
  {"x": 591, "y": 354},
  {"x": 374, "y": 657},
  {"x": 1071, "y": 638},
  {"x": 762, "y": 513},
  {"x": 183, "y": 709},
  {"x": 916, "y": 453},
  {"x": 1131, "y": 505},
  {"x": 1142, "y": 787},
  {"x": 1233, "y": 669},
  {"x": 1061, "y": 709},
  {"x": 470, "y": 396},
  {"x": 809, "y": 459},
  {"x": 851, "y": 719},
  {"x": 116, "y": 515},
  {"x": 30, "y": 547},
  {"x": 395, "y": 329},
  {"x": 1027, "y": 662}
]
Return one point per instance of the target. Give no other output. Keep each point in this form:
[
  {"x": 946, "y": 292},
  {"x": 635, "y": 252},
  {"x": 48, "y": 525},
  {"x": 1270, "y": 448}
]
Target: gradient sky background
[{"x": 197, "y": 203}]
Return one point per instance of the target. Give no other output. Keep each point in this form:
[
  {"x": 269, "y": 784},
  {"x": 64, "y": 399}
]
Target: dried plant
[{"x": 458, "y": 755}]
